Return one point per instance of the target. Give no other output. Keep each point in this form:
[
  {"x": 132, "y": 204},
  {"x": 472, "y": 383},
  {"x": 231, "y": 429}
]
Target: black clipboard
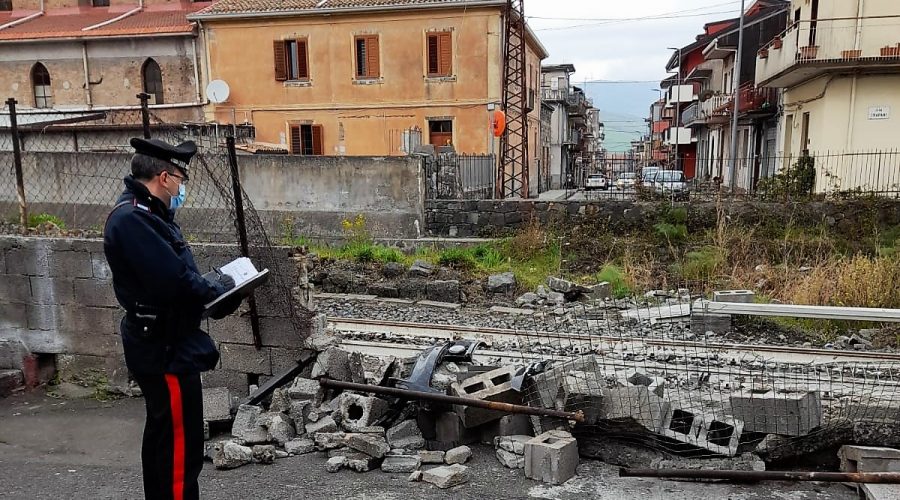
[{"x": 242, "y": 291}]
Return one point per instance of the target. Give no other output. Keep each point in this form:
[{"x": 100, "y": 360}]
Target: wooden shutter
[
  {"x": 280, "y": 61},
  {"x": 317, "y": 146},
  {"x": 302, "y": 60},
  {"x": 372, "y": 58},
  {"x": 296, "y": 141},
  {"x": 433, "y": 55},
  {"x": 445, "y": 44}
]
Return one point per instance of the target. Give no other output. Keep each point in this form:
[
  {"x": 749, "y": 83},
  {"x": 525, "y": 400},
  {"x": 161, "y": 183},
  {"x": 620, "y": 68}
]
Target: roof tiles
[
  {"x": 275, "y": 6},
  {"x": 70, "y": 22}
]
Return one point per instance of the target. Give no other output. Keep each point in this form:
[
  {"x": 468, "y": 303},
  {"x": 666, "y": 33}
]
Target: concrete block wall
[{"x": 56, "y": 297}]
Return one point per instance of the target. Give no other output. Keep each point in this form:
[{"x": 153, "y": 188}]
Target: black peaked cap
[{"x": 179, "y": 155}]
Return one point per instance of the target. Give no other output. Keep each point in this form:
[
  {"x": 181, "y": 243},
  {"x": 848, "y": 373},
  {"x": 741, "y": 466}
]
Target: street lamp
[{"x": 677, "y": 109}]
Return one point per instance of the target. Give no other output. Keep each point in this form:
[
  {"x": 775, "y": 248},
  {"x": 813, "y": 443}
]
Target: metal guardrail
[{"x": 878, "y": 315}]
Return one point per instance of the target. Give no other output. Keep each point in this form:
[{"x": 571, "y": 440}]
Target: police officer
[{"x": 157, "y": 283}]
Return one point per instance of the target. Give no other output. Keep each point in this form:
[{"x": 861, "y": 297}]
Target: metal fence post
[
  {"x": 17, "y": 164},
  {"x": 241, "y": 222},
  {"x": 145, "y": 113}
]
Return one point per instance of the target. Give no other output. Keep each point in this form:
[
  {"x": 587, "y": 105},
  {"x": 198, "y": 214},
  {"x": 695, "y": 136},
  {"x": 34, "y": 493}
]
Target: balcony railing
[
  {"x": 827, "y": 45},
  {"x": 692, "y": 115},
  {"x": 558, "y": 95},
  {"x": 753, "y": 100}
]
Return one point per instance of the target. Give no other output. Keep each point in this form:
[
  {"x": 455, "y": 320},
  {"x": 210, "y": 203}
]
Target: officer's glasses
[{"x": 179, "y": 177}]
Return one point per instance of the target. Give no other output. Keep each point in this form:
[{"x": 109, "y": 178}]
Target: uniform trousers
[{"x": 172, "y": 450}]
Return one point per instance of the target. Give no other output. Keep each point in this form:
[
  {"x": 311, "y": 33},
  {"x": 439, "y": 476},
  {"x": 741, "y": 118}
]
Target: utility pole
[
  {"x": 736, "y": 100},
  {"x": 678, "y": 109}
]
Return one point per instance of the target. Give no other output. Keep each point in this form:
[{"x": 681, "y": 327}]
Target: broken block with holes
[
  {"x": 637, "y": 403},
  {"x": 583, "y": 391},
  {"x": 788, "y": 414},
  {"x": 720, "y": 435},
  {"x": 551, "y": 457},
  {"x": 359, "y": 411},
  {"x": 495, "y": 385}
]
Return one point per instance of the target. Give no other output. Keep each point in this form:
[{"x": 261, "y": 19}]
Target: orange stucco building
[{"x": 348, "y": 77}]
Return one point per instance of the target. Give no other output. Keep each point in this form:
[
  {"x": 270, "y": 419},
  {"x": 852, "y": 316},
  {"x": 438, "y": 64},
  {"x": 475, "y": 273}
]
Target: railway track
[{"x": 765, "y": 353}]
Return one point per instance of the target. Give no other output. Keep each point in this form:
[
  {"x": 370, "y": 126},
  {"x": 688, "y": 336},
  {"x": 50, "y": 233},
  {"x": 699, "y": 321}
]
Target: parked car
[
  {"x": 626, "y": 180},
  {"x": 596, "y": 181},
  {"x": 671, "y": 183},
  {"x": 647, "y": 175}
]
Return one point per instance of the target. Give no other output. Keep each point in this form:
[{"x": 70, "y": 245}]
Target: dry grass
[{"x": 858, "y": 281}]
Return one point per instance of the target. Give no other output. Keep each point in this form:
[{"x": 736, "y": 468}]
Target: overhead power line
[
  {"x": 636, "y": 19},
  {"x": 649, "y": 16}
]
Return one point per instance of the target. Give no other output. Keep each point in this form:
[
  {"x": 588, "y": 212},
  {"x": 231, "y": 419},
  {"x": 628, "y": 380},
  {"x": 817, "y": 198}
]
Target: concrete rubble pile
[{"x": 432, "y": 442}]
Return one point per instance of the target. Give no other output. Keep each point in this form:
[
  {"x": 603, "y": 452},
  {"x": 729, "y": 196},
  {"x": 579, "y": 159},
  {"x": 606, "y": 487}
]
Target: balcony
[
  {"x": 693, "y": 116},
  {"x": 680, "y": 94},
  {"x": 554, "y": 95},
  {"x": 808, "y": 50},
  {"x": 754, "y": 100},
  {"x": 679, "y": 135}
]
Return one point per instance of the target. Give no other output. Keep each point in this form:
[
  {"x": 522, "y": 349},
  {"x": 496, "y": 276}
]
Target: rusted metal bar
[
  {"x": 768, "y": 475},
  {"x": 443, "y": 398}
]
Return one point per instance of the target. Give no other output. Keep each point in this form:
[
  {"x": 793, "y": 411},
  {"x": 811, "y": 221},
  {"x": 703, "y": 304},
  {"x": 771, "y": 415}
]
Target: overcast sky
[{"x": 595, "y": 37}]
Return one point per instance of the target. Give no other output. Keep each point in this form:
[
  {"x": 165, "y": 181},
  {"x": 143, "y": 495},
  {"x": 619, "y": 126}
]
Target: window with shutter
[
  {"x": 302, "y": 60},
  {"x": 440, "y": 54},
  {"x": 291, "y": 60},
  {"x": 280, "y": 60},
  {"x": 307, "y": 140},
  {"x": 367, "y": 57}
]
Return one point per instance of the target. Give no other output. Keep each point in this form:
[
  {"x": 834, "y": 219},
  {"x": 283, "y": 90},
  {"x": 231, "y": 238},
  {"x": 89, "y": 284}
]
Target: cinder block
[
  {"x": 333, "y": 363},
  {"x": 279, "y": 332},
  {"x": 372, "y": 445},
  {"x": 736, "y": 296},
  {"x": 406, "y": 435},
  {"x": 790, "y": 414},
  {"x": 216, "y": 404},
  {"x": 869, "y": 459},
  {"x": 637, "y": 403},
  {"x": 495, "y": 385},
  {"x": 284, "y": 357},
  {"x": 12, "y": 351},
  {"x": 52, "y": 291},
  {"x": 508, "y": 425},
  {"x": 304, "y": 388},
  {"x": 99, "y": 267},
  {"x": 95, "y": 293},
  {"x": 246, "y": 425},
  {"x": 235, "y": 381},
  {"x": 450, "y": 431},
  {"x": 551, "y": 457},
  {"x": 359, "y": 411},
  {"x": 718, "y": 435},
  {"x": 447, "y": 476},
  {"x": 245, "y": 358},
  {"x": 28, "y": 261},
  {"x": 232, "y": 329},
  {"x": 583, "y": 391},
  {"x": 15, "y": 289},
  {"x": 71, "y": 265}
]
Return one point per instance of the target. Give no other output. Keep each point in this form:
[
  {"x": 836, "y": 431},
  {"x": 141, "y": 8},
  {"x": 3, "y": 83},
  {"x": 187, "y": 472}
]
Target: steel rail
[
  {"x": 448, "y": 331},
  {"x": 765, "y": 475}
]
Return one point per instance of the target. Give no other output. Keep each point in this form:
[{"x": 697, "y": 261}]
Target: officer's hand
[{"x": 226, "y": 281}]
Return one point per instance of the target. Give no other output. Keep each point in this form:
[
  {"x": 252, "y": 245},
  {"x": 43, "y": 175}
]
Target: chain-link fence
[{"x": 67, "y": 172}]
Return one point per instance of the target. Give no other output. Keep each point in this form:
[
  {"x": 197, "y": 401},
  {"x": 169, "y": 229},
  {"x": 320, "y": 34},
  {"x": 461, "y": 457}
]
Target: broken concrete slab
[
  {"x": 216, "y": 404},
  {"x": 324, "y": 424},
  {"x": 335, "y": 464},
  {"x": 735, "y": 296},
  {"x": 297, "y": 413},
  {"x": 510, "y": 460},
  {"x": 447, "y": 476},
  {"x": 508, "y": 425},
  {"x": 371, "y": 445},
  {"x": 406, "y": 435},
  {"x": 789, "y": 414},
  {"x": 247, "y": 427},
  {"x": 401, "y": 463},
  {"x": 230, "y": 455},
  {"x": 657, "y": 385},
  {"x": 11, "y": 381},
  {"x": 880, "y": 491},
  {"x": 333, "y": 363},
  {"x": 514, "y": 311},
  {"x": 431, "y": 456},
  {"x": 279, "y": 427},
  {"x": 458, "y": 455},
  {"x": 452, "y": 306},
  {"x": 304, "y": 389},
  {"x": 358, "y": 411},
  {"x": 281, "y": 401},
  {"x": 420, "y": 268},
  {"x": 500, "y": 283},
  {"x": 495, "y": 385},
  {"x": 361, "y": 462},
  {"x": 263, "y": 454},
  {"x": 300, "y": 446},
  {"x": 869, "y": 459},
  {"x": 551, "y": 457},
  {"x": 583, "y": 391},
  {"x": 329, "y": 440},
  {"x": 512, "y": 444}
]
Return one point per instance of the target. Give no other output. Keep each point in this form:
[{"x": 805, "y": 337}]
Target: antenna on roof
[{"x": 321, "y": 3}]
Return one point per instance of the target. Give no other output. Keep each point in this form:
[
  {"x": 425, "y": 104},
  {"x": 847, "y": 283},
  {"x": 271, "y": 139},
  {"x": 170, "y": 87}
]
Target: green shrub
[
  {"x": 616, "y": 278},
  {"x": 36, "y": 220},
  {"x": 387, "y": 254},
  {"x": 700, "y": 265},
  {"x": 677, "y": 215},
  {"x": 488, "y": 256},
  {"x": 360, "y": 252},
  {"x": 458, "y": 258},
  {"x": 671, "y": 233}
]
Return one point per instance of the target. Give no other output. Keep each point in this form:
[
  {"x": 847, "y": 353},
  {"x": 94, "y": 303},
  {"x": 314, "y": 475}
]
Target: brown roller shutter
[
  {"x": 280, "y": 61},
  {"x": 296, "y": 141},
  {"x": 318, "y": 148}
]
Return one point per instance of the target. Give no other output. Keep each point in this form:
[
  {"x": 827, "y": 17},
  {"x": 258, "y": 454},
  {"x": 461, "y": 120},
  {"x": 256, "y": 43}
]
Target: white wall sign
[{"x": 879, "y": 113}]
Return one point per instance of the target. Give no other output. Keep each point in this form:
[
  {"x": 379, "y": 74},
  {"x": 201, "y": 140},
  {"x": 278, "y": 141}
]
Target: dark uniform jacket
[{"x": 157, "y": 282}]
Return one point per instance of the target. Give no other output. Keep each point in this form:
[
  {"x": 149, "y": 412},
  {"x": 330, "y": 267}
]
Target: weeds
[
  {"x": 618, "y": 284},
  {"x": 36, "y": 220}
]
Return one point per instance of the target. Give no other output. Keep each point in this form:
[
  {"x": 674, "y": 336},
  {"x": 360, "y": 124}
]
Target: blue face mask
[{"x": 177, "y": 201}]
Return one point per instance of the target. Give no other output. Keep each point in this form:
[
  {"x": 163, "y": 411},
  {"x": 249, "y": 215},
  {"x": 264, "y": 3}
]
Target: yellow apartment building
[{"x": 352, "y": 77}]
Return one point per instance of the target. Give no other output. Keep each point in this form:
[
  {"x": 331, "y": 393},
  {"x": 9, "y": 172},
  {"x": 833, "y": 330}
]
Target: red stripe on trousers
[{"x": 178, "y": 436}]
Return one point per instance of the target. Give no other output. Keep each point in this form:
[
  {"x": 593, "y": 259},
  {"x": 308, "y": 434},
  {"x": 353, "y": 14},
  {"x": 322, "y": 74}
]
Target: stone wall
[
  {"x": 491, "y": 218},
  {"x": 56, "y": 297}
]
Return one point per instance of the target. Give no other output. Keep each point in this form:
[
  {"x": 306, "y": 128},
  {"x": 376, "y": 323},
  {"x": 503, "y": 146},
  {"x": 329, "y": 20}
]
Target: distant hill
[
  {"x": 623, "y": 107},
  {"x": 621, "y": 129}
]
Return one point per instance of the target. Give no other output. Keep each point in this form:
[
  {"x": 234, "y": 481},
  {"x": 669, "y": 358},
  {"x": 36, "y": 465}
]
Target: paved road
[{"x": 85, "y": 449}]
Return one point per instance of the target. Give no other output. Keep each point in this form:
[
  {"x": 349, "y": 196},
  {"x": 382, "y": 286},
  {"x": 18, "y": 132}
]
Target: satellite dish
[{"x": 217, "y": 91}]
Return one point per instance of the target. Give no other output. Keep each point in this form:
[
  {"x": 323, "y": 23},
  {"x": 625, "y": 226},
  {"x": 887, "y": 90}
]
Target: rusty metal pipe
[
  {"x": 443, "y": 398},
  {"x": 753, "y": 476}
]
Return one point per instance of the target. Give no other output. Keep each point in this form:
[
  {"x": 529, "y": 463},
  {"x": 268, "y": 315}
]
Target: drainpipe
[
  {"x": 24, "y": 19},
  {"x": 196, "y": 70},
  {"x": 87, "y": 76},
  {"x": 116, "y": 19},
  {"x": 860, "y": 6}
]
